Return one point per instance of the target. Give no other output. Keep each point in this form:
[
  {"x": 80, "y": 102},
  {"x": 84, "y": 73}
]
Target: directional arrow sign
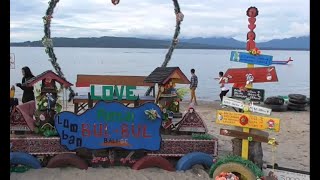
[
  {"x": 256, "y": 75},
  {"x": 247, "y": 120},
  {"x": 239, "y": 104},
  {"x": 264, "y": 60}
]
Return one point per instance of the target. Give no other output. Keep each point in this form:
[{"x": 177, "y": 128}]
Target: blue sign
[
  {"x": 264, "y": 60},
  {"x": 109, "y": 125}
]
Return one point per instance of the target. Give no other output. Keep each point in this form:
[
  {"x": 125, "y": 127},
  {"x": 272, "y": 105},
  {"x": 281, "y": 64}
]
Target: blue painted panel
[
  {"x": 109, "y": 125},
  {"x": 264, "y": 60}
]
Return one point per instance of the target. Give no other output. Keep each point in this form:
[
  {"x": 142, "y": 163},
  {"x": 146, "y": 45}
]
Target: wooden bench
[{"x": 82, "y": 101}]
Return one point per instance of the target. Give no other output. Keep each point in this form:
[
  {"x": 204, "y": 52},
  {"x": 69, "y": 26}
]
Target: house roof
[
  {"x": 48, "y": 74},
  {"x": 162, "y": 75}
]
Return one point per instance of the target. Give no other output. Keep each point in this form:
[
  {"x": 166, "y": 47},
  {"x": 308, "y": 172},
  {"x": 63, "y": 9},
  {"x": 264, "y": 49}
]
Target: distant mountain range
[{"x": 299, "y": 43}]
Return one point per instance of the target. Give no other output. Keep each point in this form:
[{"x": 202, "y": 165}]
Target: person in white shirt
[{"x": 224, "y": 88}]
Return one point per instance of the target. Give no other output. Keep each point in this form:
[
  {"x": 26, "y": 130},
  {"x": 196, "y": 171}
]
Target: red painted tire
[
  {"x": 67, "y": 159},
  {"x": 153, "y": 161}
]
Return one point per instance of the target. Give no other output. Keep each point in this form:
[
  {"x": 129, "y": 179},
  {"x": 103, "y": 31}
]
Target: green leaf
[{"x": 58, "y": 107}]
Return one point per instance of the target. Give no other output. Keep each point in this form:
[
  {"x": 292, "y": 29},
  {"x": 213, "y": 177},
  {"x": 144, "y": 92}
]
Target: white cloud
[{"x": 138, "y": 18}]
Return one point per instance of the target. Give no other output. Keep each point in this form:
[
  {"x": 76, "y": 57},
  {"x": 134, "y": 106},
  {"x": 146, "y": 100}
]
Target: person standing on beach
[
  {"x": 193, "y": 86},
  {"x": 28, "y": 94},
  {"x": 223, "y": 87}
]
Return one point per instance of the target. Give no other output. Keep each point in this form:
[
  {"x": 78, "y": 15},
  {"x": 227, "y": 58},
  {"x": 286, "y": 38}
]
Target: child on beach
[
  {"x": 224, "y": 88},
  {"x": 193, "y": 86}
]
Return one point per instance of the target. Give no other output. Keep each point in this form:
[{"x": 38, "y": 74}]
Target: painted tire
[
  {"x": 274, "y": 100},
  {"x": 153, "y": 161},
  {"x": 188, "y": 160},
  {"x": 67, "y": 159},
  {"x": 234, "y": 167},
  {"x": 297, "y": 96},
  {"x": 277, "y": 108},
  {"x": 24, "y": 159}
]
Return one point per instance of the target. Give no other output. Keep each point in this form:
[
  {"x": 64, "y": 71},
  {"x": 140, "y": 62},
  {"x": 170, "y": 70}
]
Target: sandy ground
[{"x": 293, "y": 151}]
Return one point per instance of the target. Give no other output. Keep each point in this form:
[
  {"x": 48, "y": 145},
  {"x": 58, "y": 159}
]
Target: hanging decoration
[
  {"x": 252, "y": 13},
  {"x": 48, "y": 43}
]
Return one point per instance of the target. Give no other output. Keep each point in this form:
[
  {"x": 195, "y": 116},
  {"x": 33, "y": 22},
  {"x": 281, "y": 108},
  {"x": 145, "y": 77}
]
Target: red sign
[{"x": 254, "y": 75}]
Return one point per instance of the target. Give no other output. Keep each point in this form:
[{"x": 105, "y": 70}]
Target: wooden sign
[
  {"x": 254, "y": 75},
  {"x": 247, "y": 121},
  {"x": 109, "y": 125},
  {"x": 12, "y": 61},
  {"x": 244, "y": 135},
  {"x": 108, "y": 93},
  {"x": 287, "y": 175},
  {"x": 252, "y": 94},
  {"x": 264, "y": 60},
  {"x": 241, "y": 105}
]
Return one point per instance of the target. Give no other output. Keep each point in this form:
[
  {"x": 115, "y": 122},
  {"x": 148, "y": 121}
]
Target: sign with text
[
  {"x": 110, "y": 93},
  {"x": 254, "y": 75},
  {"x": 287, "y": 175},
  {"x": 252, "y": 94},
  {"x": 109, "y": 125},
  {"x": 241, "y": 105},
  {"x": 247, "y": 121},
  {"x": 264, "y": 60}
]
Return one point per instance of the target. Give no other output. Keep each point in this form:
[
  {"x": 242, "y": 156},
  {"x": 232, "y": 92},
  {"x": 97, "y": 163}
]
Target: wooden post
[{"x": 245, "y": 142}]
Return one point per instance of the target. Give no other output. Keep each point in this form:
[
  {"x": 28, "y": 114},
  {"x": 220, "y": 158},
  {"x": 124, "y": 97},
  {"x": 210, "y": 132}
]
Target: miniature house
[
  {"x": 45, "y": 100},
  {"x": 166, "y": 78}
]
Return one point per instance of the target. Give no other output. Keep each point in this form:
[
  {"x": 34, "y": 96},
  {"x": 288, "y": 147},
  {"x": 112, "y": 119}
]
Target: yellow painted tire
[{"x": 234, "y": 167}]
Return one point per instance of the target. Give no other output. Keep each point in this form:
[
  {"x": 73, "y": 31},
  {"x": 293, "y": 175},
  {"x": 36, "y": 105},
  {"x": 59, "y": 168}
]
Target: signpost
[
  {"x": 256, "y": 75},
  {"x": 241, "y": 105},
  {"x": 109, "y": 125},
  {"x": 12, "y": 61},
  {"x": 244, "y": 135},
  {"x": 264, "y": 60},
  {"x": 252, "y": 94},
  {"x": 247, "y": 120}
]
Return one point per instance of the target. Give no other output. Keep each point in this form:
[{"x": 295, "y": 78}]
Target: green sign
[{"x": 110, "y": 93}]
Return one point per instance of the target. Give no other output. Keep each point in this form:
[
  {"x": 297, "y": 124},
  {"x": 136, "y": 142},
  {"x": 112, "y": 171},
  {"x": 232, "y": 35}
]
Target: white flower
[
  {"x": 45, "y": 104},
  {"x": 42, "y": 117}
]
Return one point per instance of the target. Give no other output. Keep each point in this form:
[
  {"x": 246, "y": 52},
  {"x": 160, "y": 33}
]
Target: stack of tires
[
  {"x": 276, "y": 103},
  {"x": 297, "y": 102}
]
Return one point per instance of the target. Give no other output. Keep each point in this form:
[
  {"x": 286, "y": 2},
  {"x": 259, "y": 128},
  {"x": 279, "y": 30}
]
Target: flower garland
[
  {"x": 48, "y": 43},
  {"x": 255, "y": 51}
]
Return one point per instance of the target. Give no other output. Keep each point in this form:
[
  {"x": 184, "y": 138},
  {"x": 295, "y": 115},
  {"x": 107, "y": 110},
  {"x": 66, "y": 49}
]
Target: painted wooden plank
[
  {"x": 247, "y": 120},
  {"x": 252, "y": 94},
  {"x": 258, "y": 75},
  {"x": 244, "y": 135},
  {"x": 243, "y": 57},
  {"x": 241, "y": 105}
]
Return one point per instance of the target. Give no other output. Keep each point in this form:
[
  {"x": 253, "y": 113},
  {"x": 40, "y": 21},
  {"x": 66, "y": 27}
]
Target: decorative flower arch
[{"x": 47, "y": 41}]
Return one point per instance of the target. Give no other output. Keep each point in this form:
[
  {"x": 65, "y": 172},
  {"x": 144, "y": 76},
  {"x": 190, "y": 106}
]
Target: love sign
[
  {"x": 110, "y": 93},
  {"x": 109, "y": 125}
]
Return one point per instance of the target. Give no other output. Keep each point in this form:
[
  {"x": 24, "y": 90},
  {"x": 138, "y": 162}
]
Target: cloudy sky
[{"x": 277, "y": 19}]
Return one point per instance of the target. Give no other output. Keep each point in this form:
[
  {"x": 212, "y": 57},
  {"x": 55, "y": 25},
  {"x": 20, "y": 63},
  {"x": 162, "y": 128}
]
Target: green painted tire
[{"x": 234, "y": 167}]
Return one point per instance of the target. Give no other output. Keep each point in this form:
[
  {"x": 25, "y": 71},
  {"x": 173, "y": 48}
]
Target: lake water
[{"x": 293, "y": 78}]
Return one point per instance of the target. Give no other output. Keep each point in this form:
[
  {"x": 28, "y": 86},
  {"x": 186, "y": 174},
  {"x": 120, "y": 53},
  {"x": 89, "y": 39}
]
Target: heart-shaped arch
[{"x": 47, "y": 41}]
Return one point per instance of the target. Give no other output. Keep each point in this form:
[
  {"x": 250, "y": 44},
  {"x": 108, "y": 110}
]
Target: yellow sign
[{"x": 247, "y": 120}]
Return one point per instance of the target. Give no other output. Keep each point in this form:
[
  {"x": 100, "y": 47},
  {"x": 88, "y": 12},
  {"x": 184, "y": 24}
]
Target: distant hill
[{"x": 300, "y": 43}]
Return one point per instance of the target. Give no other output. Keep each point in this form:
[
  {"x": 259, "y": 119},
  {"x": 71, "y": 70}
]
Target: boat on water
[{"x": 282, "y": 62}]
